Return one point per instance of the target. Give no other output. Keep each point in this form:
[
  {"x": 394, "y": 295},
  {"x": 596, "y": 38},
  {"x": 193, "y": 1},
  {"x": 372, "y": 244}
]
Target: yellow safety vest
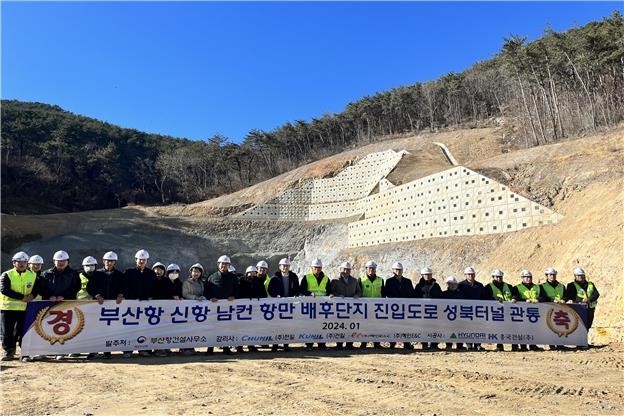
[
  {"x": 580, "y": 293},
  {"x": 314, "y": 287},
  {"x": 553, "y": 293},
  {"x": 371, "y": 289},
  {"x": 267, "y": 280},
  {"x": 21, "y": 283},
  {"x": 528, "y": 294},
  {"x": 504, "y": 295},
  {"x": 82, "y": 293}
]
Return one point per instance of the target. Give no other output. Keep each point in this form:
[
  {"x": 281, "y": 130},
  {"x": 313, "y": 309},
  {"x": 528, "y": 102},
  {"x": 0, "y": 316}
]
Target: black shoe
[
  {"x": 515, "y": 347},
  {"x": 408, "y": 346},
  {"x": 240, "y": 349},
  {"x": 499, "y": 347},
  {"x": 377, "y": 345},
  {"x": 107, "y": 355},
  {"x": 210, "y": 351},
  {"x": 535, "y": 348}
]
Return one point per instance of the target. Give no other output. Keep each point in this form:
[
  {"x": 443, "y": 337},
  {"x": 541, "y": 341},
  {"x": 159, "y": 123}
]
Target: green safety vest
[
  {"x": 504, "y": 295},
  {"x": 371, "y": 289},
  {"x": 267, "y": 280},
  {"x": 314, "y": 287},
  {"x": 553, "y": 293},
  {"x": 528, "y": 294},
  {"x": 580, "y": 293},
  {"x": 82, "y": 293},
  {"x": 21, "y": 283}
]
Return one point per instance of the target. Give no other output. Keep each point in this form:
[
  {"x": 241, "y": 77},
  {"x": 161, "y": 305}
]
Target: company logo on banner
[
  {"x": 562, "y": 320},
  {"x": 59, "y": 325}
]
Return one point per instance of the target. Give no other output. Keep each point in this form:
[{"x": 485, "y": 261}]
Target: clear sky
[{"x": 195, "y": 69}]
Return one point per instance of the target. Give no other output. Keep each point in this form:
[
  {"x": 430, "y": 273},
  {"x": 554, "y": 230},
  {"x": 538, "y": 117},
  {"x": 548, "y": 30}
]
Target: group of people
[{"x": 27, "y": 281}]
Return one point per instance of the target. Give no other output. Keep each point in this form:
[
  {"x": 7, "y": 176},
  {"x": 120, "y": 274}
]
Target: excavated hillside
[{"x": 582, "y": 179}]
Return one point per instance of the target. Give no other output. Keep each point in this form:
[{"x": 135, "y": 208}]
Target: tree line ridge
[{"x": 562, "y": 85}]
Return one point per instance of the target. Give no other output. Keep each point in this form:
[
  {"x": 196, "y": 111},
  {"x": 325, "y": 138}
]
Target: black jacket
[
  {"x": 398, "y": 288},
  {"x": 430, "y": 289},
  {"x": 276, "y": 286},
  {"x": 250, "y": 288},
  {"x": 54, "y": 282},
  {"x": 107, "y": 283},
  {"x": 140, "y": 283},
  {"x": 221, "y": 286},
  {"x": 162, "y": 289},
  {"x": 453, "y": 294}
]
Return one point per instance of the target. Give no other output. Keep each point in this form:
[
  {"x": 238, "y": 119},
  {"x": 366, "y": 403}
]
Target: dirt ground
[{"x": 370, "y": 382}]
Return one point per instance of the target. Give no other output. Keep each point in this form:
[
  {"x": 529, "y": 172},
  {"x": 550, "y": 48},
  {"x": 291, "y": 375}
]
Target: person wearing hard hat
[
  {"x": 452, "y": 292},
  {"x": 262, "y": 276},
  {"x": 163, "y": 289},
  {"x": 250, "y": 287},
  {"x": 345, "y": 286},
  {"x": 399, "y": 286},
  {"x": 60, "y": 282},
  {"x": 222, "y": 284},
  {"x": 427, "y": 288},
  {"x": 552, "y": 291},
  {"x": 527, "y": 291},
  {"x": 173, "y": 274},
  {"x": 372, "y": 287},
  {"x": 499, "y": 291},
  {"x": 35, "y": 264},
  {"x": 17, "y": 288},
  {"x": 315, "y": 283},
  {"x": 584, "y": 292},
  {"x": 284, "y": 283},
  {"x": 193, "y": 289},
  {"x": 89, "y": 264},
  {"x": 107, "y": 283},
  {"x": 472, "y": 289},
  {"x": 139, "y": 280}
]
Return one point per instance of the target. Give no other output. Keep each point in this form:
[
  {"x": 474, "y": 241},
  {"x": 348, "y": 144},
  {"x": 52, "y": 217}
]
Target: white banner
[{"x": 85, "y": 326}]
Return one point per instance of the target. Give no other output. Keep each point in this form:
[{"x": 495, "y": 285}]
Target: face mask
[
  {"x": 174, "y": 276},
  {"x": 89, "y": 269}
]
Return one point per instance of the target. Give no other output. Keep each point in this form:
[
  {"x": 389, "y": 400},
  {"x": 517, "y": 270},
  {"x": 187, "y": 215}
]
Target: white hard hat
[
  {"x": 36, "y": 259},
  {"x": 159, "y": 264},
  {"x": 469, "y": 270},
  {"x": 371, "y": 263},
  {"x": 550, "y": 270},
  {"x": 251, "y": 269},
  {"x": 525, "y": 273},
  {"x": 262, "y": 263},
  {"x": 110, "y": 255},
  {"x": 497, "y": 273},
  {"x": 197, "y": 266},
  {"x": 284, "y": 262},
  {"x": 450, "y": 280},
  {"x": 141, "y": 255},
  {"x": 20, "y": 256},
  {"x": 579, "y": 271},
  {"x": 60, "y": 255},
  {"x": 224, "y": 259},
  {"x": 317, "y": 263},
  {"x": 346, "y": 265},
  {"x": 89, "y": 261},
  {"x": 173, "y": 266},
  {"x": 426, "y": 270},
  {"x": 231, "y": 269},
  {"x": 397, "y": 266}
]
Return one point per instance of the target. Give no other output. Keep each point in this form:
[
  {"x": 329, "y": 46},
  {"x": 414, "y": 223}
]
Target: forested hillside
[{"x": 559, "y": 86}]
